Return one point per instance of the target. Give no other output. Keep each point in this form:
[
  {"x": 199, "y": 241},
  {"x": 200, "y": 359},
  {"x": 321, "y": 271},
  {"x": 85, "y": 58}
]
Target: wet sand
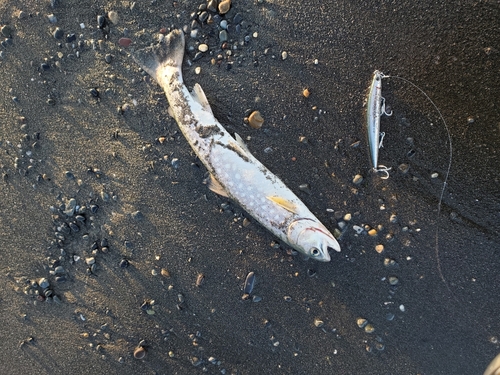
[{"x": 440, "y": 317}]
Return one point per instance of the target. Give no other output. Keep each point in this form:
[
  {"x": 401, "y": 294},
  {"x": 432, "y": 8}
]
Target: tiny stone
[
  {"x": 369, "y": 328},
  {"x": 372, "y": 232},
  {"x": 52, "y": 18},
  {"x": 403, "y": 168},
  {"x": 318, "y": 322},
  {"x": 347, "y": 217},
  {"x": 203, "y": 47},
  {"x": 361, "y": 322},
  {"x": 90, "y": 261},
  {"x": 113, "y": 17},
  {"x": 197, "y": 70},
  {"x": 124, "y": 42},
  {"x": 224, "y": 6},
  {"x": 284, "y": 55},
  {"x": 357, "y": 179},
  {"x": 137, "y": 215},
  {"x": 223, "y": 36},
  {"x": 379, "y": 248},
  {"x": 58, "y": 33},
  {"x": 434, "y": 175},
  {"x": 393, "y": 280}
]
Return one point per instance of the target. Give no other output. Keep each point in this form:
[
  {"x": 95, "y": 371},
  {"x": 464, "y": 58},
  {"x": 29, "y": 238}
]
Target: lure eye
[{"x": 315, "y": 252}]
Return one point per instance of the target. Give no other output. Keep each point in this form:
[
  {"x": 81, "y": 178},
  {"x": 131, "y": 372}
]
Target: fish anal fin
[
  {"x": 240, "y": 142},
  {"x": 282, "y": 202},
  {"x": 216, "y": 187},
  {"x": 199, "y": 95}
]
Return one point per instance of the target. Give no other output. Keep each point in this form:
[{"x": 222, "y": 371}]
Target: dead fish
[
  {"x": 235, "y": 172},
  {"x": 494, "y": 367},
  {"x": 375, "y": 109}
]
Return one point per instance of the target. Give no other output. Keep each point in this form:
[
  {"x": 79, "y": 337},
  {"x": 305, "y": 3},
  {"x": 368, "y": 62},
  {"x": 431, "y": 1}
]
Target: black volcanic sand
[{"x": 55, "y": 124}]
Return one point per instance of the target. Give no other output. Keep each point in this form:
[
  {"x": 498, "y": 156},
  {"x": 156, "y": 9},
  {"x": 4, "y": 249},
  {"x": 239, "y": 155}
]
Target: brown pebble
[
  {"x": 162, "y": 139},
  {"x": 255, "y": 120},
  {"x": 165, "y": 273},
  {"x": 124, "y": 42},
  {"x": 139, "y": 352},
  {"x": 306, "y": 93},
  {"x": 372, "y": 232},
  {"x": 224, "y": 6},
  {"x": 200, "y": 279}
]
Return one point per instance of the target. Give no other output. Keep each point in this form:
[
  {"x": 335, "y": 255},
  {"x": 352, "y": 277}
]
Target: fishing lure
[{"x": 375, "y": 109}]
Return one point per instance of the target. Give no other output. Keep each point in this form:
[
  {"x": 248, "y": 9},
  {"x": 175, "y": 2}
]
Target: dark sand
[{"x": 450, "y": 49}]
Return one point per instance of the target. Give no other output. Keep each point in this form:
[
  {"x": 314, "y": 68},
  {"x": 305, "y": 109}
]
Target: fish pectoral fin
[
  {"x": 242, "y": 144},
  {"x": 286, "y": 204},
  {"x": 199, "y": 95},
  {"x": 216, "y": 187}
]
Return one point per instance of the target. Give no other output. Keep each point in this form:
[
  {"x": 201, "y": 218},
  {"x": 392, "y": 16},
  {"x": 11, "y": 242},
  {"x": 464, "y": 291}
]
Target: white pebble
[
  {"x": 82, "y": 26},
  {"x": 402, "y": 308},
  {"x": 197, "y": 70},
  {"x": 284, "y": 55},
  {"x": 316, "y": 62},
  {"x": 255, "y": 34},
  {"x": 434, "y": 175},
  {"x": 203, "y": 47}
]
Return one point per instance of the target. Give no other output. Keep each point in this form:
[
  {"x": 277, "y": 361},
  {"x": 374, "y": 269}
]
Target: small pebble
[
  {"x": 357, "y": 179},
  {"x": 306, "y": 93},
  {"x": 52, "y": 18},
  {"x": 6, "y": 31},
  {"x": 139, "y": 352},
  {"x": 224, "y": 6},
  {"x": 249, "y": 283},
  {"x": 58, "y": 33},
  {"x": 393, "y": 280},
  {"x": 434, "y": 175},
  {"x": 284, "y": 55},
  {"x": 223, "y": 36},
  {"x": 203, "y": 47},
  {"x": 255, "y": 120},
  {"x": 318, "y": 322},
  {"x": 124, "y": 42},
  {"x": 347, "y": 217},
  {"x": 372, "y": 232},
  {"x": 403, "y": 168},
  {"x": 164, "y": 272},
  {"x": 124, "y": 263},
  {"x": 113, "y": 17},
  {"x": 379, "y": 248},
  {"x": 361, "y": 322},
  {"x": 256, "y": 299},
  {"x": 197, "y": 70},
  {"x": 43, "y": 283},
  {"x": 200, "y": 279},
  {"x": 369, "y": 328}
]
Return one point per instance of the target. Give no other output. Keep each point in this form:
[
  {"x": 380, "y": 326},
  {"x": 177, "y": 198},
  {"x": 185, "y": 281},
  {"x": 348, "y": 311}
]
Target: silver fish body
[{"x": 235, "y": 172}]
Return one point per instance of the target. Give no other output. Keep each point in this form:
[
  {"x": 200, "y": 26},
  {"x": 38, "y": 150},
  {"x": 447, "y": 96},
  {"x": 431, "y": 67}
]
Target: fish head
[{"x": 312, "y": 239}]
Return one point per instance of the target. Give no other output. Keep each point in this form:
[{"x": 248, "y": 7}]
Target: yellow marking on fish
[{"x": 282, "y": 202}]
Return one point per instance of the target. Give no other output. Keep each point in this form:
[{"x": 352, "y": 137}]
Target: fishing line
[{"x": 438, "y": 261}]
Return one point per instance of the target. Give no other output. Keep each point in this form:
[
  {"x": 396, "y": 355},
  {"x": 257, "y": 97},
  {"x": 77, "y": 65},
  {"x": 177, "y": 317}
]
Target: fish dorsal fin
[
  {"x": 286, "y": 204},
  {"x": 201, "y": 98},
  {"x": 216, "y": 187},
  {"x": 239, "y": 140}
]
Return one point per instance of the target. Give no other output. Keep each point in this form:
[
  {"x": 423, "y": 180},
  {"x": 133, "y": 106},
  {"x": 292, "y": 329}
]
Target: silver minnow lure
[
  {"x": 235, "y": 172},
  {"x": 375, "y": 108}
]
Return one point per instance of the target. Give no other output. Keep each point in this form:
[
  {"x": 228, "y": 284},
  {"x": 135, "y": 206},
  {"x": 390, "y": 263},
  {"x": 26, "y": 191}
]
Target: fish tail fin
[{"x": 168, "y": 53}]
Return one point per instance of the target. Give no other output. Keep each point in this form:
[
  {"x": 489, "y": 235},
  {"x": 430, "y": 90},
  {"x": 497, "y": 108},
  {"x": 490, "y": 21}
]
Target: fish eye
[{"x": 315, "y": 252}]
